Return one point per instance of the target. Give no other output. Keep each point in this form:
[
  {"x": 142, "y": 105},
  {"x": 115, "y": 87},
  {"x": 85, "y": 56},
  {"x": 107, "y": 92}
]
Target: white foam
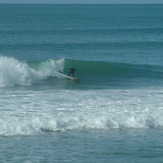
[
  {"x": 14, "y": 72},
  {"x": 52, "y": 67},
  {"x": 37, "y": 112}
]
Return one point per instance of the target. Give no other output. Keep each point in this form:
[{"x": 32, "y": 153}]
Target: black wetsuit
[{"x": 72, "y": 71}]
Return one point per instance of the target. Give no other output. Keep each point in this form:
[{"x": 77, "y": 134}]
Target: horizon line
[{"x": 83, "y": 3}]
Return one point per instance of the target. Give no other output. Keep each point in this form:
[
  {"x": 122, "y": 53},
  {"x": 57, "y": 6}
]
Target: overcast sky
[{"x": 82, "y": 1}]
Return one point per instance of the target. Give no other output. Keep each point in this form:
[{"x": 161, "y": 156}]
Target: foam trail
[{"x": 14, "y": 72}]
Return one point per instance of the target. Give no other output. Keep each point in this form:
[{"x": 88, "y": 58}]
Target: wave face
[
  {"x": 112, "y": 69},
  {"x": 100, "y": 73},
  {"x": 91, "y": 73}
]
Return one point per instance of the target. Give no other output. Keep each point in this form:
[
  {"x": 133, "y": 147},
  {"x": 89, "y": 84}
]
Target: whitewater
[
  {"x": 115, "y": 109},
  {"x": 14, "y": 72}
]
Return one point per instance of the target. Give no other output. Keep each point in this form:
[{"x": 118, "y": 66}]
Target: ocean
[{"x": 114, "y": 113}]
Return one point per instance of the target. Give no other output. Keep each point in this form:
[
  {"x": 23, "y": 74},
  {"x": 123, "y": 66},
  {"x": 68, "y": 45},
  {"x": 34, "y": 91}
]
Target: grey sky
[{"x": 82, "y": 1}]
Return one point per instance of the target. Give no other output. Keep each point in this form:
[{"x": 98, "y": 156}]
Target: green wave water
[
  {"x": 113, "y": 69},
  {"x": 103, "y": 74}
]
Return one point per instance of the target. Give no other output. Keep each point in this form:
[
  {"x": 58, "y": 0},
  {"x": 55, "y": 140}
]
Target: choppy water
[{"x": 112, "y": 114}]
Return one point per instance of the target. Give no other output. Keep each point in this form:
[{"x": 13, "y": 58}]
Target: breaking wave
[{"x": 14, "y": 72}]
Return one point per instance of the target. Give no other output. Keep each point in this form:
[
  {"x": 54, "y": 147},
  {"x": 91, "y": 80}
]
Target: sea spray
[
  {"x": 51, "y": 67},
  {"x": 15, "y": 72}
]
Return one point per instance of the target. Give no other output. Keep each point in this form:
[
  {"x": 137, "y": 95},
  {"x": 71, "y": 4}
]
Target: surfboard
[{"x": 68, "y": 77}]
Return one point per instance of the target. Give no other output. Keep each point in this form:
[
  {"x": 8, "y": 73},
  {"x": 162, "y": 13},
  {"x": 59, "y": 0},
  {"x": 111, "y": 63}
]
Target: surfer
[{"x": 72, "y": 71}]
